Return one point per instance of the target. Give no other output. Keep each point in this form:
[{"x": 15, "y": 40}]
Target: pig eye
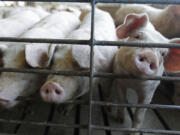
[{"x": 137, "y": 35}]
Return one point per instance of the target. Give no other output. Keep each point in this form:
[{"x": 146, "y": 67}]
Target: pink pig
[{"x": 136, "y": 61}]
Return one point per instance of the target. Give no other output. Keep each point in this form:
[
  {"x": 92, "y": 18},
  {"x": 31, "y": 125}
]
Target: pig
[
  {"x": 16, "y": 24},
  {"x": 139, "y": 62},
  {"x": 12, "y": 85},
  {"x": 166, "y": 21},
  {"x": 16, "y": 10},
  {"x": 58, "y": 89}
]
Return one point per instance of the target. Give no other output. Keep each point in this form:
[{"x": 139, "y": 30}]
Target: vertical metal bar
[{"x": 91, "y": 66}]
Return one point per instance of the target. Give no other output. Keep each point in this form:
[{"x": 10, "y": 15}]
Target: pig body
[
  {"x": 13, "y": 85},
  {"x": 77, "y": 58},
  {"x": 10, "y": 11},
  {"x": 165, "y": 20},
  {"x": 16, "y": 24},
  {"x": 136, "y": 61}
]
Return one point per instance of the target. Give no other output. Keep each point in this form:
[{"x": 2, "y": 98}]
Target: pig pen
[{"x": 90, "y": 116}]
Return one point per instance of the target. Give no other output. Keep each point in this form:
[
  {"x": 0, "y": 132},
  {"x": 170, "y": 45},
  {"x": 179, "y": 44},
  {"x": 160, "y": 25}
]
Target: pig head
[{"x": 136, "y": 61}]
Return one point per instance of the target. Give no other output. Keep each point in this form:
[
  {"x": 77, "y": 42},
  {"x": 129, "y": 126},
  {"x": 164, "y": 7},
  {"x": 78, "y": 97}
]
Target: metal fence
[{"x": 91, "y": 74}]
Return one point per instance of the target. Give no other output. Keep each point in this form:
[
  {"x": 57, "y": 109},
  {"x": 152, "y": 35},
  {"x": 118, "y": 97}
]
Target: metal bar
[
  {"x": 45, "y": 71},
  {"x": 86, "y": 74},
  {"x": 44, "y": 123},
  {"x": 44, "y": 40},
  {"x": 132, "y": 130},
  {"x": 50, "y": 0},
  {"x": 101, "y": 103},
  {"x": 130, "y": 44},
  {"x": 110, "y": 1},
  {"x": 141, "y": 1},
  {"x": 111, "y": 75},
  {"x": 7, "y": 134},
  {"x": 82, "y": 102},
  {"x": 87, "y": 42},
  {"x": 91, "y": 67},
  {"x": 149, "y": 106}
]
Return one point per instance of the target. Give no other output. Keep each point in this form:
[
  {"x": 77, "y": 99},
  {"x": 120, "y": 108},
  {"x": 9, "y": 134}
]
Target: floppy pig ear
[
  {"x": 172, "y": 60},
  {"x": 132, "y": 22},
  {"x": 39, "y": 56},
  {"x": 82, "y": 56}
]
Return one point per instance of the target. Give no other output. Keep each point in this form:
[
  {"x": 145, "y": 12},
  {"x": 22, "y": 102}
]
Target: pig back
[{"x": 18, "y": 23}]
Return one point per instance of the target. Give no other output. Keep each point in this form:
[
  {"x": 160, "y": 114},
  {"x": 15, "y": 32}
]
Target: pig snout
[
  {"x": 146, "y": 63},
  {"x": 52, "y": 92},
  {"x": 5, "y": 103}
]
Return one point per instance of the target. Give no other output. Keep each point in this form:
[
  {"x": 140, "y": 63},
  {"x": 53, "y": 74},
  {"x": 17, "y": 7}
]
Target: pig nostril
[
  {"x": 47, "y": 91},
  {"x": 141, "y": 59},
  {"x": 57, "y": 92},
  {"x": 152, "y": 66}
]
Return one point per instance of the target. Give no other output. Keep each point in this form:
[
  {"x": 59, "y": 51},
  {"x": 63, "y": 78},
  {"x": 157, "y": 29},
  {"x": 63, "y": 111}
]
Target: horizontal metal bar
[
  {"x": 82, "y": 102},
  {"x": 87, "y": 42},
  {"x": 130, "y": 44},
  {"x": 7, "y": 134},
  {"x": 110, "y": 1},
  {"x": 86, "y": 74},
  {"x": 100, "y": 103},
  {"x": 110, "y": 75},
  {"x": 50, "y": 0},
  {"x": 154, "y": 131},
  {"x": 141, "y": 1},
  {"x": 45, "y": 71},
  {"x": 44, "y": 40},
  {"x": 149, "y": 106},
  {"x": 43, "y": 123}
]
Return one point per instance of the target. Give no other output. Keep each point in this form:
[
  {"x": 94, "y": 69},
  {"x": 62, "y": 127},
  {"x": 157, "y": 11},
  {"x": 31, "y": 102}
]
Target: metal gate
[{"x": 91, "y": 74}]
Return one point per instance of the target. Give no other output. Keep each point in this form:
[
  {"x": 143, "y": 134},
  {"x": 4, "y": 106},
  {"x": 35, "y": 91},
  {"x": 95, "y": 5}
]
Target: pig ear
[
  {"x": 132, "y": 22},
  {"x": 39, "y": 56},
  {"x": 81, "y": 54},
  {"x": 172, "y": 60}
]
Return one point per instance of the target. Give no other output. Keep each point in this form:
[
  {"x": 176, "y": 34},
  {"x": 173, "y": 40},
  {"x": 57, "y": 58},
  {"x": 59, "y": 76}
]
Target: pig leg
[
  {"x": 121, "y": 100},
  {"x": 140, "y": 112}
]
